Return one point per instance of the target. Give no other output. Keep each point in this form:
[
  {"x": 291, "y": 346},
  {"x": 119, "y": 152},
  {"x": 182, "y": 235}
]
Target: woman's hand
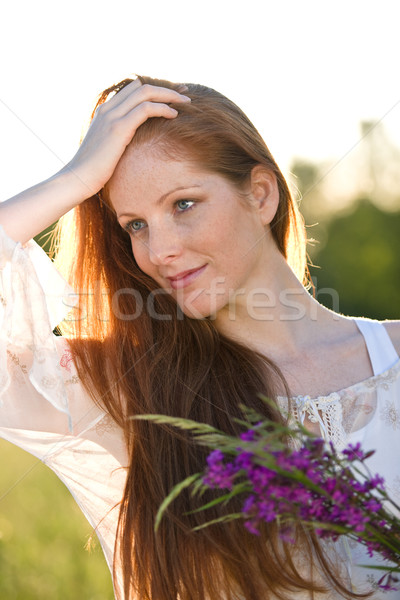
[{"x": 113, "y": 127}]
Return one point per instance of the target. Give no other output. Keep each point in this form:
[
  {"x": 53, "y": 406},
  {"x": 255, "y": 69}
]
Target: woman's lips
[{"x": 183, "y": 281}]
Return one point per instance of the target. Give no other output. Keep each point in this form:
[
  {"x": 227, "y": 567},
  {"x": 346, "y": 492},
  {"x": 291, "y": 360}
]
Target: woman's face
[{"x": 190, "y": 230}]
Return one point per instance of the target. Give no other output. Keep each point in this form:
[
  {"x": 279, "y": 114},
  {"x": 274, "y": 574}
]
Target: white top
[{"x": 45, "y": 410}]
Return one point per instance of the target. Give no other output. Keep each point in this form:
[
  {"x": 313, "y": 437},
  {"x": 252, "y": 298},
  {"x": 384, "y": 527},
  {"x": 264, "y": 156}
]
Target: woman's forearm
[{"x": 25, "y": 215}]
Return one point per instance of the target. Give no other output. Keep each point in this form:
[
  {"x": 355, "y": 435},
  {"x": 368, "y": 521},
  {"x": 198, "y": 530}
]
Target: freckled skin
[
  {"x": 247, "y": 283},
  {"x": 218, "y": 230}
]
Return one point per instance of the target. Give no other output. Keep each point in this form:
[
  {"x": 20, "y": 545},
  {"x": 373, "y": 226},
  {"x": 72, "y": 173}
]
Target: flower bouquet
[{"x": 286, "y": 474}]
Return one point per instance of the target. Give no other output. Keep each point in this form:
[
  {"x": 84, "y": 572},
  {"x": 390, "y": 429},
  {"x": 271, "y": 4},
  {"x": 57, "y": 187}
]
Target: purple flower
[
  {"x": 330, "y": 485},
  {"x": 261, "y": 477},
  {"x": 340, "y": 497},
  {"x": 361, "y": 488},
  {"x": 390, "y": 579},
  {"x": 371, "y": 547},
  {"x": 301, "y": 459},
  {"x": 354, "y": 517},
  {"x": 244, "y": 460},
  {"x": 248, "y": 505},
  {"x": 382, "y": 523},
  {"x": 218, "y": 474},
  {"x": 376, "y": 482},
  {"x": 300, "y": 495},
  {"x": 214, "y": 457},
  {"x": 322, "y": 533},
  {"x": 283, "y": 462},
  {"x": 251, "y": 526},
  {"x": 316, "y": 510},
  {"x": 313, "y": 475},
  {"x": 248, "y": 436},
  {"x": 353, "y": 452},
  {"x": 266, "y": 510},
  {"x": 372, "y": 505}
]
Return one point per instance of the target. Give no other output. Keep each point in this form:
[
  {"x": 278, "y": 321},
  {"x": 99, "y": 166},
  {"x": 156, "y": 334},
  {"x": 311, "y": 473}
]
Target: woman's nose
[{"x": 164, "y": 246}]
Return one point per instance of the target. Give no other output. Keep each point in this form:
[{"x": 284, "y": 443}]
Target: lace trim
[
  {"x": 328, "y": 411},
  {"x": 386, "y": 377}
]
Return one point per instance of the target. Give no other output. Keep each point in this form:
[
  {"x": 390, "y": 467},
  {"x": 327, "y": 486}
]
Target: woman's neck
[{"x": 276, "y": 314}]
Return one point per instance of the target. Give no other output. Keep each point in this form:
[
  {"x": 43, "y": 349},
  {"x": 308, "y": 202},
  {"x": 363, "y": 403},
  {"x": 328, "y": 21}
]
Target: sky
[{"x": 305, "y": 72}]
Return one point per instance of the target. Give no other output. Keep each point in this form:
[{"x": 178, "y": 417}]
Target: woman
[{"x": 187, "y": 256}]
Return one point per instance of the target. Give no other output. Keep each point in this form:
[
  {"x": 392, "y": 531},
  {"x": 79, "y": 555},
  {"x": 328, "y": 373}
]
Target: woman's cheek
[{"x": 139, "y": 254}]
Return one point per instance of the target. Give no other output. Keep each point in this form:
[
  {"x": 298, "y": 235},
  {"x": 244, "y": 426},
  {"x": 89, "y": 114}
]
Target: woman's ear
[{"x": 265, "y": 193}]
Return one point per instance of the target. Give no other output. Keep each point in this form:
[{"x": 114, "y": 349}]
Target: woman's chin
[
  {"x": 194, "y": 312},
  {"x": 200, "y": 310}
]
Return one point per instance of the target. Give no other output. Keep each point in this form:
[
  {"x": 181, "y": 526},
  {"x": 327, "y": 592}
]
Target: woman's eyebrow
[
  {"x": 163, "y": 198},
  {"x": 182, "y": 187}
]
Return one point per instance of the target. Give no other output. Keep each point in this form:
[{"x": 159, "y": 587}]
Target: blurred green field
[{"x": 43, "y": 536}]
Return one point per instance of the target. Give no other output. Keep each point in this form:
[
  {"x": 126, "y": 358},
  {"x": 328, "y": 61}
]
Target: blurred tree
[
  {"x": 369, "y": 169},
  {"x": 359, "y": 267},
  {"x": 352, "y": 208},
  {"x": 378, "y": 166}
]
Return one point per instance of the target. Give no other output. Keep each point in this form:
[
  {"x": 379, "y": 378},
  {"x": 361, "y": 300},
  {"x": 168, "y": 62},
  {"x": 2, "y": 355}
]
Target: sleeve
[
  {"x": 40, "y": 393},
  {"x": 33, "y": 300},
  {"x": 44, "y": 408}
]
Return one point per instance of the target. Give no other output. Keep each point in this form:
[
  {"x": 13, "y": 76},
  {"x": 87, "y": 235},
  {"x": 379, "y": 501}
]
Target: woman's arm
[
  {"x": 112, "y": 128},
  {"x": 34, "y": 209}
]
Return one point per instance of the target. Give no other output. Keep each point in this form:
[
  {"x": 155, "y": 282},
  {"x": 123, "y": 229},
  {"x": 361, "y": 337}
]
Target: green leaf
[
  {"x": 198, "y": 486},
  {"x": 214, "y": 440},
  {"x": 179, "y": 422},
  {"x": 223, "y": 519},
  {"x": 209, "y": 504},
  {"x": 382, "y": 568},
  {"x": 237, "y": 489},
  {"x": 174, "y": 493}
]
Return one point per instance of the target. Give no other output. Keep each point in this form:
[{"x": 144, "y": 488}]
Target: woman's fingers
[
  {"x": 147, "y": 109},
  {"x": 119, "y": 129},
  {"x": 147, "y": 92},
  {"x": 113, "y": 127},
  {"x": 143, "y": 93},
  {"x": 117, "y": 98}
]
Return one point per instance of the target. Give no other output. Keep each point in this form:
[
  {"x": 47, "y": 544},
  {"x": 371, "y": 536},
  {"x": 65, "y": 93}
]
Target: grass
[{"x": 43, "y": 536}]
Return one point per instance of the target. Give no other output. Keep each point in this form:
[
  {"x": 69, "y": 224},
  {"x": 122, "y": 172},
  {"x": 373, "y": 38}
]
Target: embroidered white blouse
[{"x": 45, "y": 410}]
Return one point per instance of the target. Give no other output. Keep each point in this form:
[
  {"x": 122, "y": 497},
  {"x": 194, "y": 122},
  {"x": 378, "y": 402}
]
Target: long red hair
[{"x": 183, "y": 367}]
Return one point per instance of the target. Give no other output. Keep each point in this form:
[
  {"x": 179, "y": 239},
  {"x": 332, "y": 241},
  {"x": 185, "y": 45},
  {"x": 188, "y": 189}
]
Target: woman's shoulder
[{"x": 393, "y": 329}]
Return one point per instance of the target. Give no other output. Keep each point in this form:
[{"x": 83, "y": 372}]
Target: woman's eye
[
  {"x": 134, "y": 226},
  {"x": 184, "y": 204},
  {"x": 137, "y": 225}
]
